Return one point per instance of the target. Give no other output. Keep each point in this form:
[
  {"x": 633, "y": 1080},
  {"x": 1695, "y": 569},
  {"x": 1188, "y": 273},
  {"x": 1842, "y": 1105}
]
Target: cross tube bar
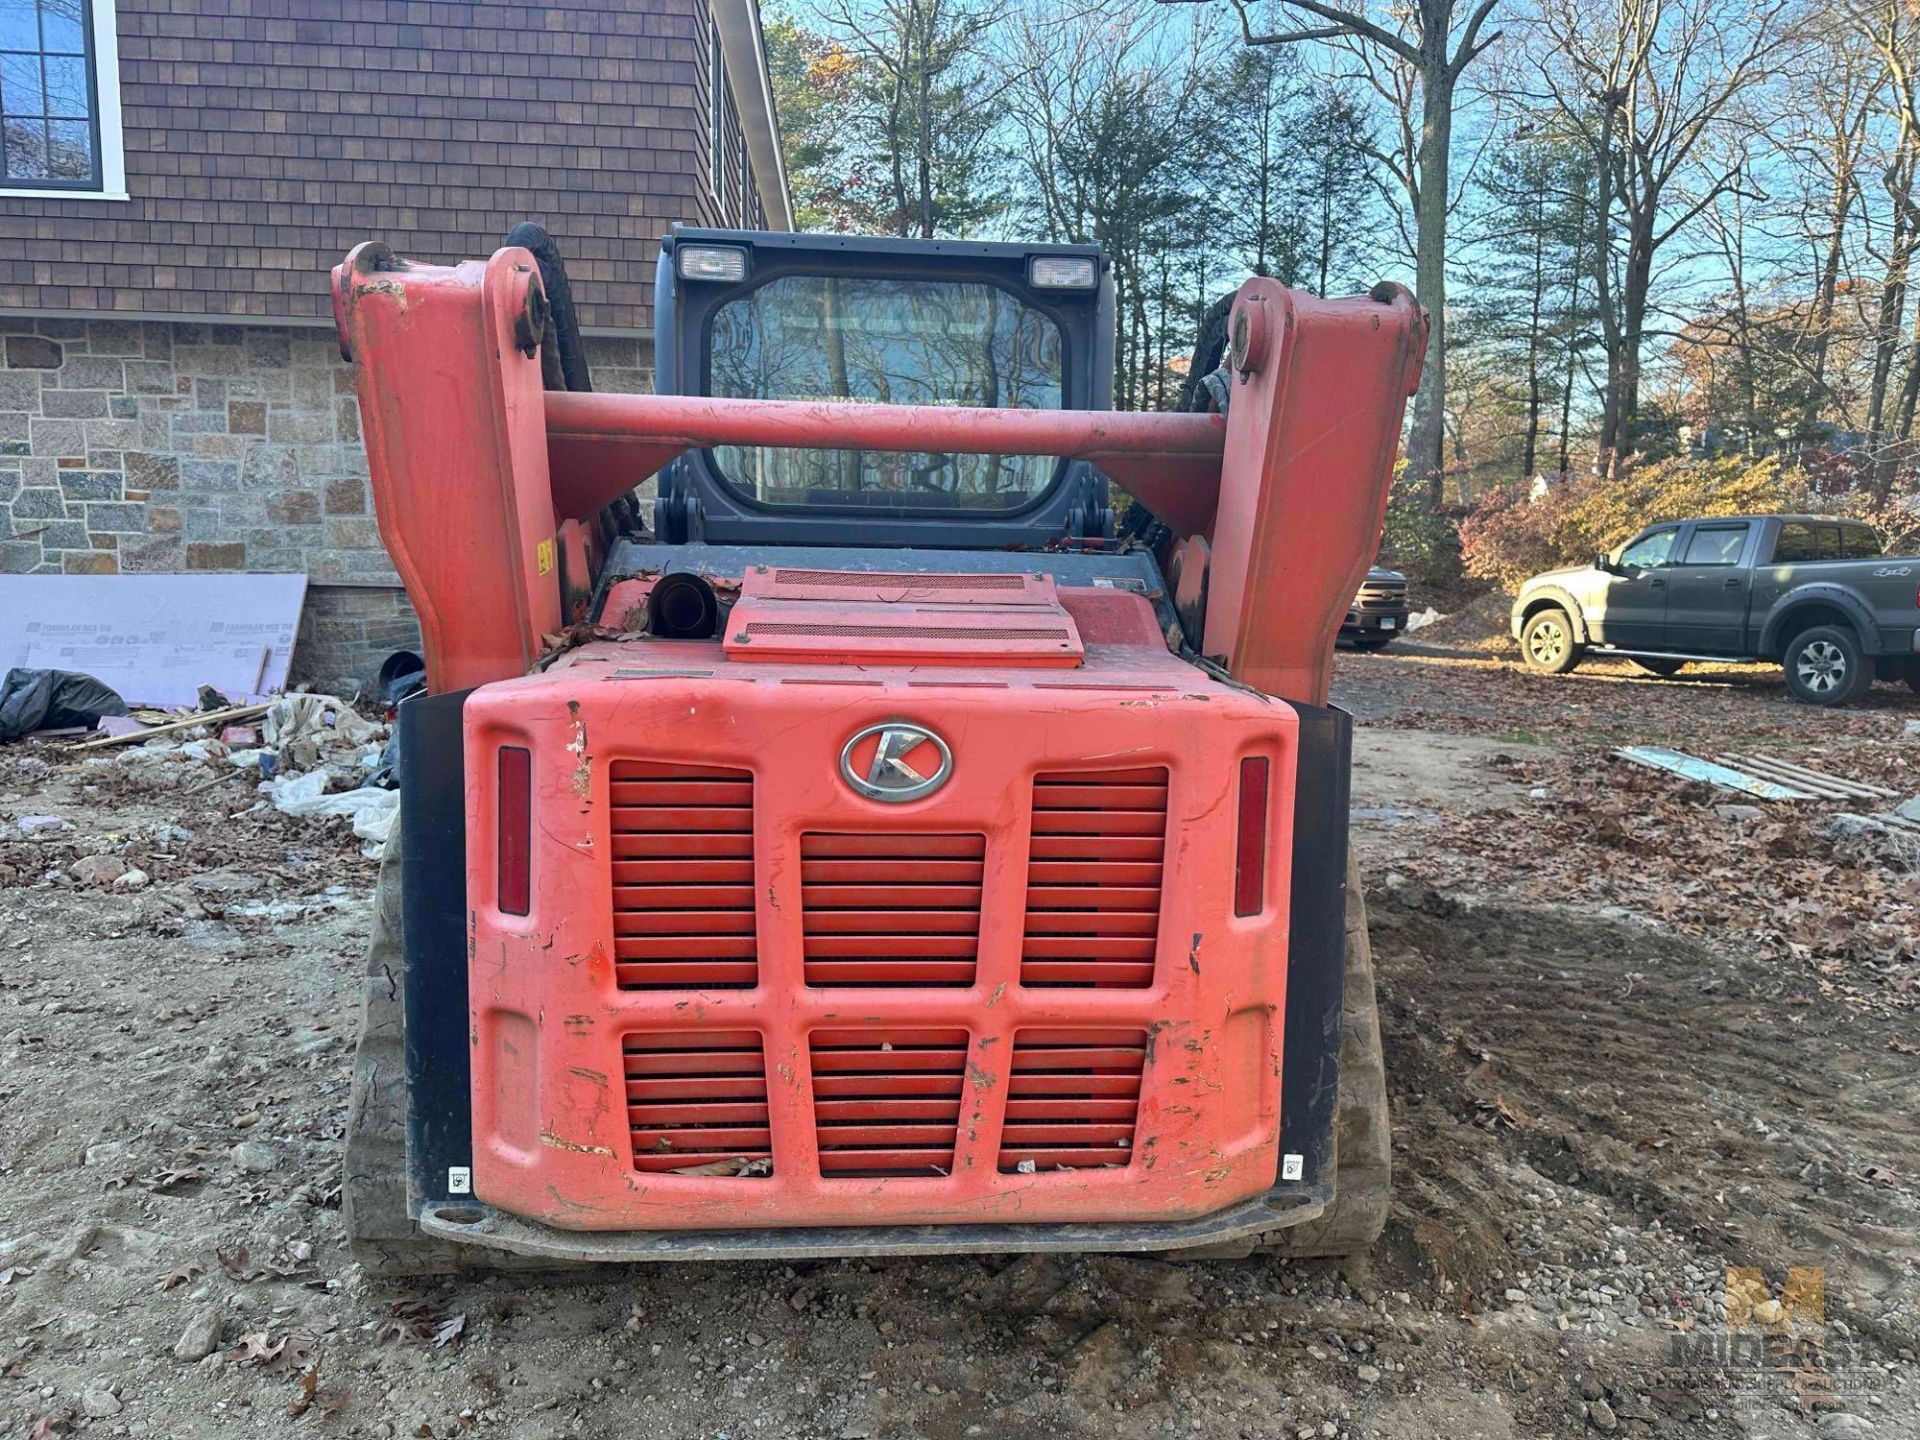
[{"x": 601, "y": 445}]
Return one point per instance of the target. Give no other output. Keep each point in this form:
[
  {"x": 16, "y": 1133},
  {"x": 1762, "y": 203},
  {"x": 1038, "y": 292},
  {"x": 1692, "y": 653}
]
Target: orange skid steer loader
[{"x": 872, "y": 846}]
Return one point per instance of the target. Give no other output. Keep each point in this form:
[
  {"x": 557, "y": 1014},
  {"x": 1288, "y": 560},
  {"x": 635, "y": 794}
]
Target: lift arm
[{"x": 476, "y": 467}]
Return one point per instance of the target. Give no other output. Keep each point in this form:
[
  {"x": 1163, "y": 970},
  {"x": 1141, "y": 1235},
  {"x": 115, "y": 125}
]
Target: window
[
  {"x": 1649, "y": 550},
  {"x": 716, "y": 110},
  {"x": 897, "y": 342},
  {"x": 1799, "y": 542},
  {"x": 1858, "y": 542},
  {"x": 60, "y": 98},
  {"x": 1716, "y": 545}
]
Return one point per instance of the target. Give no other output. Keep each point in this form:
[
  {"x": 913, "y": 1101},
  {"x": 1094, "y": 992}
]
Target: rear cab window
[
  {"x": 1804, "y": 541},
  {"x": 1800, "y": 541},
  {"x": 889, "y": 342},
  {"x": 1859, "y": 542},
  {"x": 1715, "y": 545}
]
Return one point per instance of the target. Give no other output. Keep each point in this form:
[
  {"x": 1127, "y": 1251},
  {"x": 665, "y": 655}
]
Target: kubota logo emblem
[{"x": 896, "y": 762}]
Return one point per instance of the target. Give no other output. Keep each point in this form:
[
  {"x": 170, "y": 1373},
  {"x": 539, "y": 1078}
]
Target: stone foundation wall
[{"x": 131, "y": 446}]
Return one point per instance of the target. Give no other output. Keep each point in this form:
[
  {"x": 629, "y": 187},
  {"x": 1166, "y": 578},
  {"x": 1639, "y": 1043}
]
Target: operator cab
[{"x": 749, "y": 314}]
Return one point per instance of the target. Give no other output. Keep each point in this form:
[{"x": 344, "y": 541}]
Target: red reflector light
[
  {"x": 516, "y": 829},
  {"x": 1250, "y": 865}
]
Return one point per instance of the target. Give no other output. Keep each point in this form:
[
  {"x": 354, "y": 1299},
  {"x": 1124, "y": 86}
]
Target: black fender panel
[
  {"x": 1316, "y": 952},
  {"x": 433, "y": 847},
  {"x": 1780, "y": 620}
]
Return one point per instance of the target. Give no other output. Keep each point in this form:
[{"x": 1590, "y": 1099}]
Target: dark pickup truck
[
  {"x": 1379, "y": 612},
  {"x": 1810, "y": 593}
]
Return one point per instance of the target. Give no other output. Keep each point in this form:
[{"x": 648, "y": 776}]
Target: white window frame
[{"x": 106, "y": 94}]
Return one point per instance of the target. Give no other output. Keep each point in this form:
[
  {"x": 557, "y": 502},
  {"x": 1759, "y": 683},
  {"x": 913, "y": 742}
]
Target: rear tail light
[
  {"x": 1250, "y": 863},
  {"x": 515, "y": 888}
]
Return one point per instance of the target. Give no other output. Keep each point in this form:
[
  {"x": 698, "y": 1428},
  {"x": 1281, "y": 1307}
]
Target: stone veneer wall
[{"x": 139, "y": 447}]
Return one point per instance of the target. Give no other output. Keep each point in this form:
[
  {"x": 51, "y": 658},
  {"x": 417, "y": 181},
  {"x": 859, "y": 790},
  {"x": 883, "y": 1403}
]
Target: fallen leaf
[
  {"x": 181, "y": 1274},
  {"x": 309, "y": 1389},
  {"x": 171, "y": 1177},
  {"x": 738, "y": 1165},
  {"x": 288, "y": 1265},
  {"x": 255, "y": 1348},
  {"x": 451, "y": 1329}
]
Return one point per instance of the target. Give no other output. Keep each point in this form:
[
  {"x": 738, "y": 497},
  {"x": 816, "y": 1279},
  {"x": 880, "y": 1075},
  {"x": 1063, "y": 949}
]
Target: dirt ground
[{"x": 1635, "y": 1034}]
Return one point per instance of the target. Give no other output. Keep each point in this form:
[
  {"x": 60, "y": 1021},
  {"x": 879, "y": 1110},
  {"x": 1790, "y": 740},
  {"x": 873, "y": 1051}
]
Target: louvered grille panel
[
  {"x": 1093, "y": 878},
  {"x": 697, "y": 1103},
  {"x": 891, "y": 909},
  {"x": 887, "y": 1102},
  {"x": 1073, "y": 1099},
  {"x": 683, "y": 912}
]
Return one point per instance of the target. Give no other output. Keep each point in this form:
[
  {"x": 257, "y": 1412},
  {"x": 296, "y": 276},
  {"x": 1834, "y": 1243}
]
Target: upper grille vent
[
  {"x": 1093, "y": 878},
  {"x": 891, "y": 909},
  {"x": 683, "y": 910}
]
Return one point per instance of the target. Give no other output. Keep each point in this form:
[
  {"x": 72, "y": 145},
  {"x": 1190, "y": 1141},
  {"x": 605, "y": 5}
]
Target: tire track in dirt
[{"x": 1643, "y": 1068}]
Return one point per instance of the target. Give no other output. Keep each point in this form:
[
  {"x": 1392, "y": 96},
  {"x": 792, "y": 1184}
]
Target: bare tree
[
  {"x": 1113, "y": 120},
  {"x": 1427, "y": 44},
  {"x": 1891, "y": 30},
  {"x": 1645, "y": 83},
  {"x": 1831, "y": 107},
  {"x": 929, "y": 106}
]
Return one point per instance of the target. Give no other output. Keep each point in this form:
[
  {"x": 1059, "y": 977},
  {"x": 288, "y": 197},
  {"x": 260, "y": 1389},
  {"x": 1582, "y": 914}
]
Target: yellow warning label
[{"x": 543, "y": 557}]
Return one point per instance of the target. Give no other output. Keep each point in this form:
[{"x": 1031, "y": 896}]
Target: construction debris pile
[{"x": 306, "y": 756}]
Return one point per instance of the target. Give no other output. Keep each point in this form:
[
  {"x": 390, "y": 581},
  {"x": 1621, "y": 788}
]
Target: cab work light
[
  {"x": 1062, "y": 272},
  {"x": 712, "y": 262},
  {"x": 515, "y": 837}
]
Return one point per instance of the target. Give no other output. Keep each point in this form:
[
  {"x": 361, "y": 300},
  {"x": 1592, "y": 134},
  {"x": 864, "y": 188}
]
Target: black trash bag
[
  {"x": 404, "y": 674},
  {"x": 53, "y": 700}
]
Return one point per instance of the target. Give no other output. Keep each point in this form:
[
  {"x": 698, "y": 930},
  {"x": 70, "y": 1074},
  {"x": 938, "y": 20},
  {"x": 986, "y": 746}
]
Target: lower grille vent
[
  {"x": 1073, "y": 1100},
  {"x": 887, "y": 1102},
  {"x": 697, "y": 1103},
  {"x": 683, "y": 915},
  {"x": 891, "y": 909},
  {"x": 1093, "y": 878}
]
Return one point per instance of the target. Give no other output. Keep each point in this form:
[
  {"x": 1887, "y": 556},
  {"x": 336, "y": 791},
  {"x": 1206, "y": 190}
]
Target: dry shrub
[{"x": 1508, "y": 536}]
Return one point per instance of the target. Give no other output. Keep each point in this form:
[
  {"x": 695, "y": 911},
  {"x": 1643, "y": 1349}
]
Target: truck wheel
[
  {"x": 1373, "y": 642},
  {"x": 1362, "y": 1135},
  {"x": 1913, "y": 676},
  {"x": 1659, "y": 668},
  {"x": 373, "y": 1188},
  {"x": 1547, "y": 644},
  {"x": 1823, "y": 666}
]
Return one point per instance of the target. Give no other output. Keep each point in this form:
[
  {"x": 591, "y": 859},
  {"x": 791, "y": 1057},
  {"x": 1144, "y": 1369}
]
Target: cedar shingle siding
[{"x": 266, "y": 137}]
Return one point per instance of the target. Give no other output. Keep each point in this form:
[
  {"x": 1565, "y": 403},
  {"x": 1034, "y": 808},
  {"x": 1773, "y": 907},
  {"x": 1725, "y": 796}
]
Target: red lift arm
[{"x": 476, "y": 467}]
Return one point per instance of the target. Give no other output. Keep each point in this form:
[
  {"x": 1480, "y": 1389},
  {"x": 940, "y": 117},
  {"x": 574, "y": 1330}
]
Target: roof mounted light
[
  {"x": 723, "y": 263},
  {"x": 1062, "y": 272}
]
